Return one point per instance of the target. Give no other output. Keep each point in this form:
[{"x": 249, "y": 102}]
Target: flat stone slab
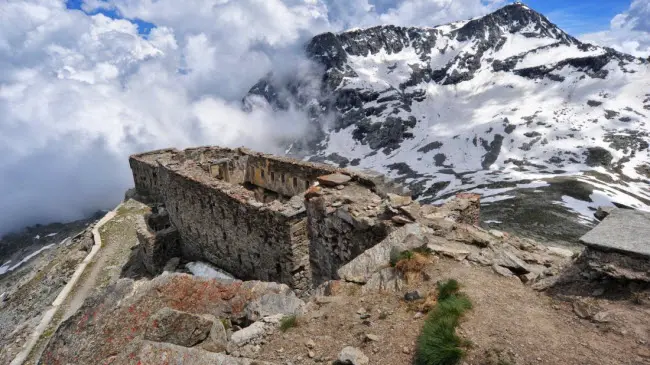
[
  {"x": 334, "y": 179},
  {"x": 624, "y": 230}
]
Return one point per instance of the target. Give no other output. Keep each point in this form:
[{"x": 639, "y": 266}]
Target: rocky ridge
[
  {"x": 188, "y": 319},
  {"x": 441, "y": 109}
]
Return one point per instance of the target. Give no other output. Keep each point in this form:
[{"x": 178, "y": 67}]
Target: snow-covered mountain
[{"x": 507, "y": 105}]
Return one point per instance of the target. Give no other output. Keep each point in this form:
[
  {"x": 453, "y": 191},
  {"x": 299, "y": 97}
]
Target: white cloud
[
  {"x": 629, "y": 31},
  {"x": 79, "y": 93}
]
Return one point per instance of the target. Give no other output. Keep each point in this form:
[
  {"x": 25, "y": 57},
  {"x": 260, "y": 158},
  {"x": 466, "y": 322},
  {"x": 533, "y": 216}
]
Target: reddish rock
[{"x": 333, "y": 180}]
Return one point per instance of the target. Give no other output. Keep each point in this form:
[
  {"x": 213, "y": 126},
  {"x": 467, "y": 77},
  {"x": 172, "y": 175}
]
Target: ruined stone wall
[
  {"x": 342, "y": 225},
  {"x": 245, "y": 212},
  {"x": 157, "y": 244},
  {"x": 285, "y": 177},
  {"x": 246, "y": 240},
  {"x": 145, "y": 171},
  {"x": 145, "y": 176}
]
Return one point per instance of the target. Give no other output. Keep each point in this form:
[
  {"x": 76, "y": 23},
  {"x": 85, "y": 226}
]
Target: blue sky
[
  {"x": 580, "y": 16},
  {"x": 143, "y": 26},
  {"x": 574, "y": 16}
]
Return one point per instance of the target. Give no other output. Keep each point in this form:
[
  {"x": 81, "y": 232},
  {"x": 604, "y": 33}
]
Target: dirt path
[
  {"x": 50, "y": 314},
  {"x": 525, "y": 326},
  {"x": 89, "y": 282},
  {"x": 117, "y": 235}
]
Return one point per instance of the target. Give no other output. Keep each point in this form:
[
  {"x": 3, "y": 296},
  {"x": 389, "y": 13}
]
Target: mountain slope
[{"x": 504, "y": 105}]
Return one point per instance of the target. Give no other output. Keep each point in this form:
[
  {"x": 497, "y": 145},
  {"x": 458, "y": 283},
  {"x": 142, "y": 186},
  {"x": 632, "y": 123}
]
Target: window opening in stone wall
[
  {"x": 223, "y": 233},
  {"x": 295, "y": 182},
  {"x": 306, "y": 184},
  {"x": 262, "y": 174},
  {"x": 282, "y": 178},
  {"x": 272, "y": 176}
]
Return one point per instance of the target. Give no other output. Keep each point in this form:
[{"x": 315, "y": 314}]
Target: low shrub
[
  {"x": 438, "y": 343},
  {"x": 288, "y": 322}
]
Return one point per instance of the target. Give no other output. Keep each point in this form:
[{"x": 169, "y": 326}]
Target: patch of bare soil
[{"x": 510, "y": 324}]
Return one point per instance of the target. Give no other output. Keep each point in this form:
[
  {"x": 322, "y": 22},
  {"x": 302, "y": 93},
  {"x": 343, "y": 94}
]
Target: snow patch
[
  {"x": 205, "y": 270},
  {"x": 5, "y": 268}
]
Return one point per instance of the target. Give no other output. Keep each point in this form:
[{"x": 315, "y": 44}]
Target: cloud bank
[
  {"x": 629, "y": 31},
  {"x": 80, "y": 91}
]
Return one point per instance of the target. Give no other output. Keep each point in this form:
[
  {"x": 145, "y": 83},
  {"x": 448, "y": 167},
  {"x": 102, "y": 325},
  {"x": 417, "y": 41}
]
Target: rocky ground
[
  {"x": 532, "y": 304},
  {"x": 106, "y": 268},
  {"x": 30, "y": 289},
  {"x": 522, "y": 325}
]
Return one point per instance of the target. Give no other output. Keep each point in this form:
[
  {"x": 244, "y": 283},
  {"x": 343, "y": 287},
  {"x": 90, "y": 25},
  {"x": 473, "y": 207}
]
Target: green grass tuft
[
  {"x": 447, "y": 289},
  {"x": 288, "y": 322},
  {"x": 397, "y": 256},
  {"x": 438, "y": 343}
]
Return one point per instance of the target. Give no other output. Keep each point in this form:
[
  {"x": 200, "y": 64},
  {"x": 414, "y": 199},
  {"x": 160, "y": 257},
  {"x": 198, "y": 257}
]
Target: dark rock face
[
  {"x": 598, "y": 156},
  {"x": 413, "y": 102},
  {"x": 493, "y": 150},
  {"x": 430, "y": 147}
]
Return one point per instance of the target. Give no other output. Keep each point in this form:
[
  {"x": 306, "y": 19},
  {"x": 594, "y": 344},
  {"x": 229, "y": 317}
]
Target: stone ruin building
[{"x": 261, "y": 216}]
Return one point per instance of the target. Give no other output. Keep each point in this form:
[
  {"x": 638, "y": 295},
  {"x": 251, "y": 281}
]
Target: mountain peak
[{"x": 514, "y": 18}]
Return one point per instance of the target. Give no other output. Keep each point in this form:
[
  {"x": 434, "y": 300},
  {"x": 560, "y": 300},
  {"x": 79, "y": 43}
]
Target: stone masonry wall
[
  {"x": 342, "y": 224},
  {"x": 246, "y": 212},
  {"x": 243, "y": 239},
  {"x": 145, "y": 177},
  {"x": 157, "y": 246},
  {"x": 281, "y": 176}
]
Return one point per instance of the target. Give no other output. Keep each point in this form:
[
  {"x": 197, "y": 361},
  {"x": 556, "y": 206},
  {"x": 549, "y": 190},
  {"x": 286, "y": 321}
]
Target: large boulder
[
  {"x": 179, "y": 328},
  {"x": 361, "y": 269},
  {"x": 115, "y": 321},
  {"x": 272, "y": 304},
  {"x": 386, "y": 280},
  {"x": 217, "y": 341},
  {"x": 156, "y": 353}
]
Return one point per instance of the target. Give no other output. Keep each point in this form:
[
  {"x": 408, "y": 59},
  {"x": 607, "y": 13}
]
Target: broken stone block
[
  {"x": 585, "y": 309},
  {"x": 400, "y": 219},
  {"x": 386, "y": 280},
  {"x": 529, "y": 278},
  {"x": 412, "y": 210},
  {"x": 179, "y": 328},
  {"x": 165, "y": 353},
  {"x": 624, "y": 230},
  {"x": 272, "y": 304},
  {"x": 472, "y": 235},
  {"x": 454, "y": 253},
  {"x": 334, "y": 180},
  {"x": 360, "y": 269},
  {"x": 497, "y": 234},
  {"x": 352, "y": 356},
  {"x": 250, "y": 334},
  {"x": 397, "y": 201},
  {"x": 560, "y": 252},
  {"x": 512, "y": 262},
  {"x": 502, "y": 271},
  {"x": 217, "y": 341},
  {"x": 484, "y": 257}
]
